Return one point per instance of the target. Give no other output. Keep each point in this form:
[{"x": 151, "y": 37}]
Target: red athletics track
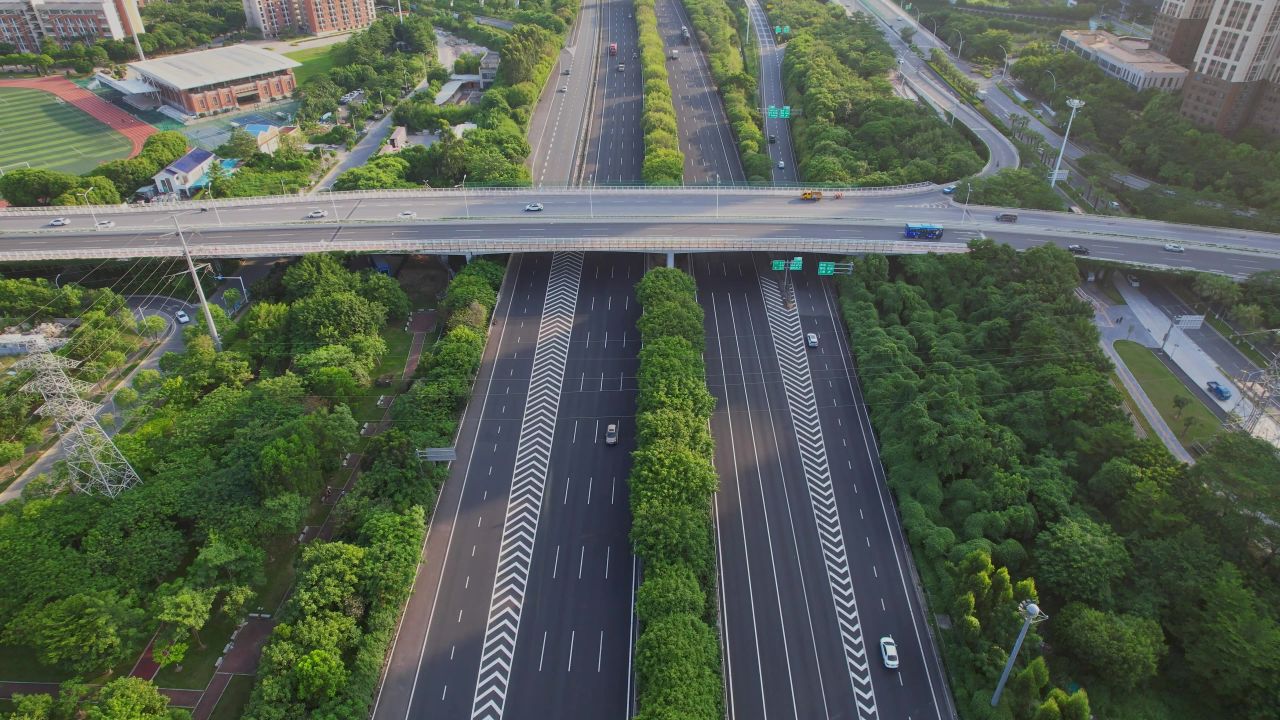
[{"x": 115, "y": 118}]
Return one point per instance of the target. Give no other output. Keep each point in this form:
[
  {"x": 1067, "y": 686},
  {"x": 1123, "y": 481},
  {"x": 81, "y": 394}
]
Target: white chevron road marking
[
  {"x": 793, "y": 359},
  {"x": 529, "y": 476}
]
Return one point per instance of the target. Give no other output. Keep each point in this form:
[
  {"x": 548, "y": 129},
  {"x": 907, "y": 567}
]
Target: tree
[
  {"x": 240, "y": 144},
  {"x": 27, "y": 187},
  {"x": 320, "y": 674},
  {"x": 129, "y": 698},
  {"x": 1119, "y": 650},
  {"x": 86, "y": 632},
  {"x": 186, "y": 607},
  {"x": 1079, "y": 559},
  {"x": 1217, "y": 290},
  {"x": 1180, "y": 403}
]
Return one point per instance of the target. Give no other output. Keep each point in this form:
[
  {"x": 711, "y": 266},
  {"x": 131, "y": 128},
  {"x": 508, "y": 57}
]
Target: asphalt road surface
[
  {"x": 710, "y": 153},
  {"x": 615, "y": 144},
  {"x": 1232, "y": 362},
  {"x": 559, "y": 119},
  {"x": 523, "y": 606},
  {"x": 771, "y": 93},
  {"x": 813, "y": 566}
]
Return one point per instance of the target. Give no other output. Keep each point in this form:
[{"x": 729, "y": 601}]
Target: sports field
[
  {"x": 315, "y": 61},
  {"x": 42, "y": 130}
]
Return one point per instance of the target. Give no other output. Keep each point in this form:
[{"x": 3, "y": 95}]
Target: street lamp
[
  {"x": 92, "y": 214},
  {"x": 1075, "y": 105},
  {"x": 332, "y": 202},
  {"x": 465, "y": 203},
  {"x": 717, "y": 196},
  {"x": 244, "y": 291},
  {"x": 935, "y": 25},
  {"x": 967, "y": 192},
  {"x": 591, "y": 194},
  {"x": 1005, "y": 71},
  {"x": 1030, "y": 614},
  {"x": 961, "y": 49},
  {"x": 1054, "y": 78}
]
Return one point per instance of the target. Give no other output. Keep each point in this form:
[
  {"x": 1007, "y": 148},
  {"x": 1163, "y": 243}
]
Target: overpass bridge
[{"x": 639, "y": 219}]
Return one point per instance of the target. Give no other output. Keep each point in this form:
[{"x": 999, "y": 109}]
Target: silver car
[
  {"x": 1173, "y": 248},
  {"x": 611, "y": 434}
]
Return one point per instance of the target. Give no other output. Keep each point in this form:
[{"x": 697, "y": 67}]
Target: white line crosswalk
[
  {"x": 533, "y": 458},
  {"x": 788, "y": 343}
]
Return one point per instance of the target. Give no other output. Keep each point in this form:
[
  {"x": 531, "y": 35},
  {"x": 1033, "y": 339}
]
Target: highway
[
  {"x": 615, "y": 143},
  {"x": 771, "y": 93},
  {"x": 813, "y": 565},
  {"x": 522, "y": 608},
  {"x": 559, "y": 118},
  {"x": 710, "y": 153}
]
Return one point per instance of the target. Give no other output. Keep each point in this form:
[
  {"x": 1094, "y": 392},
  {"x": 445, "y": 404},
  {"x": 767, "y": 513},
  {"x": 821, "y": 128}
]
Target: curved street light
[
  {"x": 961, "y": 49},
  {"x": 1054, "y": 78},
  {"x": 1075, "y": 105}
]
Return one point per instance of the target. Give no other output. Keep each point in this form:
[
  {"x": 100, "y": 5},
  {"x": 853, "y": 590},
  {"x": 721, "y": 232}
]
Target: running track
[{"x": 115, "y": 118}]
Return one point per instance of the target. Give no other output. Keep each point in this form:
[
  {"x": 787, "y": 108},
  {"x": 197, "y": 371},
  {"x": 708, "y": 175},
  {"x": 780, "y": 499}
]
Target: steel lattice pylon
[
  {"x": 94, "y": 460},
  {"x": 1261, "y": 388}
]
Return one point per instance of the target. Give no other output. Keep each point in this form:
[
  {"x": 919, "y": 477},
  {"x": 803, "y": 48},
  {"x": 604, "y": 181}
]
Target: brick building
[
  {"x": 218, "y": 80},
  {"x": 25, "y": 23},
  {"x": 315, "y": 17}
]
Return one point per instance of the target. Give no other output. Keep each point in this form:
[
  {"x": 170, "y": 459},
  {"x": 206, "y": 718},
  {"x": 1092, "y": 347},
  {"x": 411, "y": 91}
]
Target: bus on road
[{"x": 923, "y": 231}]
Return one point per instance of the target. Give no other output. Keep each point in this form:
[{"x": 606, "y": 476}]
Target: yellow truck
[{"x": 811, "y": 195}]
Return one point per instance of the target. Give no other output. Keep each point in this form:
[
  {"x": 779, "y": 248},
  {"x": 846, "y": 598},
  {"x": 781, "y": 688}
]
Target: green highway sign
[
  {"x": 779, "y": 264},
  {"x": 784, "y": 111},
  {"x": 786, "y": 29},
  {"x": 773, "y": 111},
  {"x": 777, "y": 29},
  {"x": 797, "y": 263},
  {"x": 826, "y": 268}
]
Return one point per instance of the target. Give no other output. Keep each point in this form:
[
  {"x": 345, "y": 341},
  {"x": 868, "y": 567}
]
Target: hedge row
[
  {"x": 672, "y": 482},
  {"x": 663, "y": 161},
  {"x": 325, "y": 657},
  {"x": 717, "y": 27}
]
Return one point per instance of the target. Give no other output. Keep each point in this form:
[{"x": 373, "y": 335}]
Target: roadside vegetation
[
  {"x": 663, "y": 160},
  {"x": 1018, "y": 477},
  {"x": 716, "y": 25},
  {"x": 851, "y": 128},
  {"x": 672, "y": 482}
]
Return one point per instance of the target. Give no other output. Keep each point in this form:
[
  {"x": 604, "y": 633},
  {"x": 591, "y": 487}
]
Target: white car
[
  {"x": 611, "y": 434},
  {"x": 889, "y": 652},
  {"x": 1173, "y": 247},
  {"x": 59, "y": 222},
  {"x": 315, "y": 214},
  {"x": 811, "y": 339},
  {"x": 563, "y": 88},
  {"x": 106, "y": 224},
  {"x": 408, "y": 215},
  {"x": 182, "y": 317},
  {"x": 533, "y": 207},
  {"x": 782, "y": 165}
]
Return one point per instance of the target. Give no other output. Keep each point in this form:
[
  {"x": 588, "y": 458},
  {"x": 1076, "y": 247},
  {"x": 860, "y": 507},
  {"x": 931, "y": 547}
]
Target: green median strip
[{"x": 1190, "y": 424}]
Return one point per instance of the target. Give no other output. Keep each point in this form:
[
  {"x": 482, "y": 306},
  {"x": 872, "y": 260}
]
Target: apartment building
[
  {"x": 1236, "y": 68},
  {"x": 1130, "y": 60},
  {"x": 1178, "y": 26},
  {"x": 315, "y": 17},
  {"x": 25, "y": 23}
]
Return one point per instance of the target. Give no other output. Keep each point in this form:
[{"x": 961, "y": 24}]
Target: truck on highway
[
  {"x": 613, "y": 48},
  {"x": 811, "y": 195}
]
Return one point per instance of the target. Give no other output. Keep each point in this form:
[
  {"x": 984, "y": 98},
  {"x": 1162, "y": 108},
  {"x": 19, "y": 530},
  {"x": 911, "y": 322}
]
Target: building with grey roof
[{"x": 218, "y": 80}]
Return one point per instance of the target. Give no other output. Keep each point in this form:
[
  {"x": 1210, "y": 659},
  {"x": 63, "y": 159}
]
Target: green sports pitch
[{"x": 37, "y": 129}]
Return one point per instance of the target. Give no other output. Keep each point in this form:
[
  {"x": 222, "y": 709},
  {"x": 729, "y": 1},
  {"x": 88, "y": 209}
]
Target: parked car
[
  {"x": 889, "y": 652},
  {"x": 611, "y": 434},
  {"x": 533, "y": 207},
  {"x": 1078, "y": 249},
  {"x": 106, "y": 224},
  {"x": 182, "y": 317},
  {"x": 1218, "y": 390},
  {"x": 59, "y": 222},
  {"x": 1173, "y": 248},
  {"x": 316, "y": 214}
]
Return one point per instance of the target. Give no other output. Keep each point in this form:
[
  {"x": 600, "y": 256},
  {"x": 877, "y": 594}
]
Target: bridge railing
[{"x": 533, "y": 193}]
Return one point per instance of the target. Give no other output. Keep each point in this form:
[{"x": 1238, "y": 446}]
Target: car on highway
[
  {"x": 533, "y": 207},
  {"x": 811, "y": 339},
  {"x": 611, "y": 434},
  {"x": 565, "y": 71},
  {"x": 182, "y": 317},
  {"x": 621, "y": 67},
  {"x": 1173, "y": 247},
  {"x": 1218, "y": 390},
  {"x": 949, "y": 190},
  {"x": 1007, "y": 217},
  {"x": 1133, "y": 280},
  {"x": 315, "y": 214},
  {"x": 563, "y": 88},
  {"x": 106, "y": 224},
  {"x": 889, "y": 652},
  {"x": 773, "y": 139},
  {"x": 1078, "y": 249},
  {"x": 782, "y": 165},
  {"x": 408, "y": 215},
  {"x": 59, "y": 222}
]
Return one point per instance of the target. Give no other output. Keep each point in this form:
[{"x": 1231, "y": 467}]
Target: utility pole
[
  {"x": 1261, "y": 388},
  {"x": 204, "y": 304},
  {"x": 1075, "y": 105},
  {"x": 1030, "y": 614}
]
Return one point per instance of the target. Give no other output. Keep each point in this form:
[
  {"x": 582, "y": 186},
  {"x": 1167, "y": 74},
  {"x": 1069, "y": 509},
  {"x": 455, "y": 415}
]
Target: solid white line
[
  {"x": 631, "y": 638},
  {"x": 462, "y": 493},
  {"x": 543, "y": 653},
  {"x": 572, "y": 636},
  {"x": 600, "y": 652}
]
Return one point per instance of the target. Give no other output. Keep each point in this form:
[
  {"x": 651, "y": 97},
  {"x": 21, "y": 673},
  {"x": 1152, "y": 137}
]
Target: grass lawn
[
  {"x": 40, "y": 129},
  {"x": 1110, "y": 290},
  {"x": 234, "y": 698},
  {"x": 364, "y": 407},
  {"x": 1161, "y": 386},
  {"x": 315, "y": 61},
  {"x": 280, "y": 554},
  {"x": 198, "y": 666}
]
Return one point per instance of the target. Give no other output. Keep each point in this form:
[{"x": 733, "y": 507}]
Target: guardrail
[
  {"x": 534, "y": 193},
  {"x": 461, "y": 246}
]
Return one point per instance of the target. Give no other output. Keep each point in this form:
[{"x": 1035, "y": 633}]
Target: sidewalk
[
  {"x": 1116, "y": 323},
  {"x": 1190, "y": 357}
]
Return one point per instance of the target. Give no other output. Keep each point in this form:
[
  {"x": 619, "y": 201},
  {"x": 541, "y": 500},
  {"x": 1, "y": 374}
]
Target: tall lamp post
[
  {"x": 961, "y": 48},
  {"x": 1054, "y": 78},
  {"x": 1057, "y": 166},
  {"x": 332, "y": 202},
  {"x": 1030, "y": 614},
  {"x": 1005, "y": 71},
  {"x": 92, "y": 214}
]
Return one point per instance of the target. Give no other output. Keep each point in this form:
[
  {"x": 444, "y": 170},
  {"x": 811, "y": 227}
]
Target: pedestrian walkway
[
  {"x": 1115, "y": 323},
  {"x": 1190, "y": 357}
]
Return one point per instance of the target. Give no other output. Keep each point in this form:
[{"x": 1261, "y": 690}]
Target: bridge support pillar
[
  {"x": 671, "y": 259},
  {"x": 468, "y": 257}
]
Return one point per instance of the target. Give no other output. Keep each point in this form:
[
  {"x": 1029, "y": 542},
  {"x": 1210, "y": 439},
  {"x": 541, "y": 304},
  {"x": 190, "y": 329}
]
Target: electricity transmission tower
[
  {"x": 1261, "y": 388},
  {"x": 95, "y": 462}
]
